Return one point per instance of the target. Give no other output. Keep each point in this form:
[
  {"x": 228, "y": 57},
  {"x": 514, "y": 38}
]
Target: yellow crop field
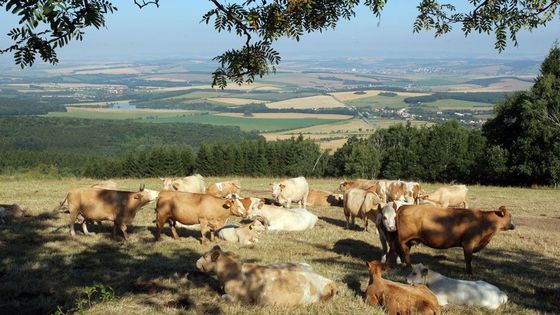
[
  {"x": 319, "y": 101},
  {"x": 353, "y": 95}
]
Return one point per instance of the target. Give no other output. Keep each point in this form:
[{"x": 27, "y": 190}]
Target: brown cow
[
  {"x": 102, "y": 204},
  {"x": 443, "y": 228},
  {"x": 222, "y": 189},
  {"x": 321, "y": 198},
  {"x": 209, "y": 211},
  {"x": 398, "y": 298}
]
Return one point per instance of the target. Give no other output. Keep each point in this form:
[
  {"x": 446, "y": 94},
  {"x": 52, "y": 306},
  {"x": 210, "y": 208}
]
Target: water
[{"x": 124, "y": 106}]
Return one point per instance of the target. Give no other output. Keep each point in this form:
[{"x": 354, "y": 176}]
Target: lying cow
[
  {"x": 458, "y": 292},
  {"x": 398, "y": 298},
  {"x": 362, "y": 204},
  {"x": 321, "y": 198},
  {"x": 209, "y": 211},
  {"x": 246, "y": 234},
  {"x": 291, "y": 190},
  {"x": 192, "y": 184},
  {"x": 222, "y": 189},
  {"x": 100, "y": 204},
  {"x": 451, "y": 196},
  {"x": 8, "y": 212},
  {"x": 276, "y": 284},
  {"x": 443, "y": 228},
  {"x": 282, "y": 219}
]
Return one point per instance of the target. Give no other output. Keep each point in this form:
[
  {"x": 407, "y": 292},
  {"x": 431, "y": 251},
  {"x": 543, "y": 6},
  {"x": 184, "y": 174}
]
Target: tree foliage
[{"x": 46, "y": 25}]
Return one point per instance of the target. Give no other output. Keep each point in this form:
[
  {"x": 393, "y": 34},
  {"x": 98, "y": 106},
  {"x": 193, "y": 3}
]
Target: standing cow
[
  {"x": 362, "y": 204},
  {"x": 291, "y": 190},
  {"x": 112, "y": 205},
  {"x": 222, "y": 189},
  {"x": 193, "y": 184}
]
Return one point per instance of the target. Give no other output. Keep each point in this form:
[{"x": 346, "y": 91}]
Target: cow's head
[
  {"x": 210, "y": 260},
  {"x": 235, "y": 206},
  {"x": 389, "y": 215},
  {"x": 375, "y": 267},
  {"x": 343, "y": 186},
  {"x": 504, "y": 218},
  {"x": 417, "y": 275},
  {"x": 277, "y": 190},
  {"x": 146, "y": 195},
  {"x": 257, "y": 226}
]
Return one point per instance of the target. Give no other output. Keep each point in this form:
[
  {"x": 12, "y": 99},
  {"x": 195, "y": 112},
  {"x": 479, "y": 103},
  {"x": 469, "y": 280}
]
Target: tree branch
[
  {"x": 146, "y": 3},
  {"x": 240, "y": 23}
]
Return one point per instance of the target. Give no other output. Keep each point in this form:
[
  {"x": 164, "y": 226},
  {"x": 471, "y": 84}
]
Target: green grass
[
  {"x": 122, "y": 114},
  {"x": 379, "y": 101},
  {"x": 42, "y": 267},
  {"x": 459, "y": 104}
]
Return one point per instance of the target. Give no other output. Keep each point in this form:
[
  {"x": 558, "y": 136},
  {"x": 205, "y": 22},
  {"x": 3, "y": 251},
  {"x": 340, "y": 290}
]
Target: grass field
[
  {"x": 42, "y": 267},
  {"x": 379, "y": 101}
]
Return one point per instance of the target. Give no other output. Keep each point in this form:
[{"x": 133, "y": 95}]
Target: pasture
[{"x": 43, "y": 268}]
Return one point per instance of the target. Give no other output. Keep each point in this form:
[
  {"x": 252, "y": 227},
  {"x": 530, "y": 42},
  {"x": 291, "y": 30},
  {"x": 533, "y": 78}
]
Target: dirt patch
[{"x": 539, "y": 223}]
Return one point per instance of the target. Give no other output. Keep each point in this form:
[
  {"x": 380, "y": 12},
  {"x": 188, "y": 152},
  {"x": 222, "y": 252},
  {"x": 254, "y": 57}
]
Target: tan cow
[
  {"x": 275, "y": 284},
  {"x": 209, "y": 211},
  {"x": 291, "y": 190},
  {"x": 443, "y": 228},
  {"x": 451, "y": 196},
  {"x": 112, "y": 205},
  {"x": 222, "y": 189},
  {"x": 322, "y": 198},
  {"x": 357, "y": 183},
  {"x": 362, "y": 204},
  {"x": 246, "y": 234},
  {"x": 398, "y": 298},
  {"x": 193, "y": 184}
]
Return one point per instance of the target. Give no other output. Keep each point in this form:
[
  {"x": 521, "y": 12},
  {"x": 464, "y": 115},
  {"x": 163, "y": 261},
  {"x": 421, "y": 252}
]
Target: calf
[
  {"x": 101, "y": 204},
  {"x": 276, "y": 284},
  {"x": 398, "y": 298},
  {"x": 458, "y": 292},
  {"x": 282, "y": 219},
  {"x": 387, "y": 227},
  {"x": 222, "y": 189},
  {"x": 245, "y": 234},
  {"x": 443, "y": 228},
  {"x": 189, "y": 208},
  {"x": 291, "y": 190},
  {"x": 362, "y": 204},
  {"x": 452, "y": 196},
  {"x": 321, "y": 198}
]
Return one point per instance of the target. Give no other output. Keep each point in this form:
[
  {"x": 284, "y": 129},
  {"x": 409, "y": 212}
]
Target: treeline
[
  {"x": 482, "y": 97},
  {"x": 19, "y": 104}
]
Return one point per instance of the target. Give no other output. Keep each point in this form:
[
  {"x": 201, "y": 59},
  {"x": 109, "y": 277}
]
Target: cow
[
  {"x": 192, "y": 184},
  {"x": 358, "y": 183},
  {"x": 455, "y": 291},
  {"x": 96, "y": 204},
  {"x": 444, "y": 228},
  {"x": 209, "y": 211},
  {"x": 386, "y": 222},
  {"x": 106, "y": 184},
  {"x": 362, "y": 204},
  {"x": 321, "y": 198},
  {"x": 222, "y": 189},
  {"x": 413, "y": 192},
  {"x": 451, "y": 196},
  {"x": 246, "y": 234},
  {"x": 274, "y": 284},
  {"x": 282, "y": 219},
  {"x": 291, "y": 190},
  {"x": 398, "y": 298}
]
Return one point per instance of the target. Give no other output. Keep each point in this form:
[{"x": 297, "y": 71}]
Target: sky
[{"x": 174, "y": 31}]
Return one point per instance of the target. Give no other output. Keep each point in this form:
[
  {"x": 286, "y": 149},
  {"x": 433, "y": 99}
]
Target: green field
[
  {"x": 246, "y": 124},
  {"x": 448, "y": 104},
  {"x": 379, "y": 101},
  {"x": 43, "y": 267}
]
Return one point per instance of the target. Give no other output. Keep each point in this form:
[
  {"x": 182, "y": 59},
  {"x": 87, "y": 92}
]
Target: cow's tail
[{"x": 57, "y": 209}]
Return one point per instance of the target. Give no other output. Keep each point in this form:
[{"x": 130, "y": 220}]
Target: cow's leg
[
  {"x": 405, "y": 248},
  {"x": 353, "y": 222},
  {"x": 122, "y": 227},
  {"x": 466, "y": 205},
  {"x": 289, "y": 203},
  {"x": 72, "y": 219},
  {"x": 383, "y": 241},
  {"x": 85, "y": 229},
  {"x": 173, "y": 225},
  {"x": 468, "y": 251},
  {"x": 304, "y": 202},
  {"x": 160, "y": 222},
  {"x": 366, "y": 222},
  {"x": 114, "y": 234},
  {"x": 347, "y": 222},
  {"x": 203, "y": 231}
]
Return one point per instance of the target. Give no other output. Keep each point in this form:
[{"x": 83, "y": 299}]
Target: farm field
[
  {"x": 319, "y": 101},
  {"x": 379, "y": 101},
  {"x": 44, "y": 268}
]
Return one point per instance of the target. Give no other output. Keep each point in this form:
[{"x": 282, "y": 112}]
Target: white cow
[
  {"x": 245, "y": 234},
  {"x": 387, "y": 227},
  {"x": 282, "y": 219},
  {"x": 192, "y": 184},
  {"x": 458, "y": 292},
  {"x": 291, "y": 190}
]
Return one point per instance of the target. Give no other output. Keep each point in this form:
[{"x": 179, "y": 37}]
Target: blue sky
[{"x": 173, "y": 30}]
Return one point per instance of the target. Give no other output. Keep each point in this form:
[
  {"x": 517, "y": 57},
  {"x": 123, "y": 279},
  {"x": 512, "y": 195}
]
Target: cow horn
[{"x": 142, "y": 186}]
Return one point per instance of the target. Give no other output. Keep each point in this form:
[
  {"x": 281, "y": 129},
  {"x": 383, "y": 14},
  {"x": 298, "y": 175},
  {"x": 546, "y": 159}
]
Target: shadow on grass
[
  {"x": 37, "y": 275},
  {"x": 342, "y": 223}
]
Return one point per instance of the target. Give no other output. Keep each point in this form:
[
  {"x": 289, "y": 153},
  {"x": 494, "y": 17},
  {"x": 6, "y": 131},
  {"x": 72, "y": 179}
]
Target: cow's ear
[
  {"x": 395, "y": 206},
  {"x": 501, "y": 212},
  {"x": 227, "y": 204},
  {"x": 175, "y": 186},
  {"x": 215, "y": 256}
]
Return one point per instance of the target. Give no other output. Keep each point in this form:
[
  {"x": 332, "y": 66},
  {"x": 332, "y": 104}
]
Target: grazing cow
[
  {"x": 209, "y": 211},
  {"x": 282, "y": 219},
  {"x": 358, "y": 183},
  {"x": 458, "y": 292},
  {"x": 245, "y": 234},
  {"x": 276, "y": 284},
  {"x": 9, "y": 212},
  {"x": 386, "y": 222},
  {"x": 398, "y": 298},
  {"x": 96, "y": 204},
  {"x": 451, "y": 196},
  {"x": 362, "y": 204},
  {"x": 192, "y": 184},
  {"x": 443, "y": 228},
  {"x": 222, "y": 189},
  {"x": 321, "y": 198},
  {"x": 291, "y": 190}
]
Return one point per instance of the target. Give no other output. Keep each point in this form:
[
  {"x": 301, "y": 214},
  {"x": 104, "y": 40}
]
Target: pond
[{"x": 123, "y": 106}]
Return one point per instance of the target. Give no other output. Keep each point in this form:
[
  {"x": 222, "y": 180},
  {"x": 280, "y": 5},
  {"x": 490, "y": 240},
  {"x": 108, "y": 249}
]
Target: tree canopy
[{"x": 46, "y": 25}]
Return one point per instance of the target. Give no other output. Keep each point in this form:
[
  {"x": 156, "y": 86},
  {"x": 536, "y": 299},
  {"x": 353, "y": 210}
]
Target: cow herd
[{"x": 403, "y": 214}]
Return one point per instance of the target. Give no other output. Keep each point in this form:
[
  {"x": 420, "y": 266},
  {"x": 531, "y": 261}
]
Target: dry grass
[
  {"x": 349, "y": 96},
  {"x": 319, "y": 101},
  {"x": 42, "y": 267}
]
